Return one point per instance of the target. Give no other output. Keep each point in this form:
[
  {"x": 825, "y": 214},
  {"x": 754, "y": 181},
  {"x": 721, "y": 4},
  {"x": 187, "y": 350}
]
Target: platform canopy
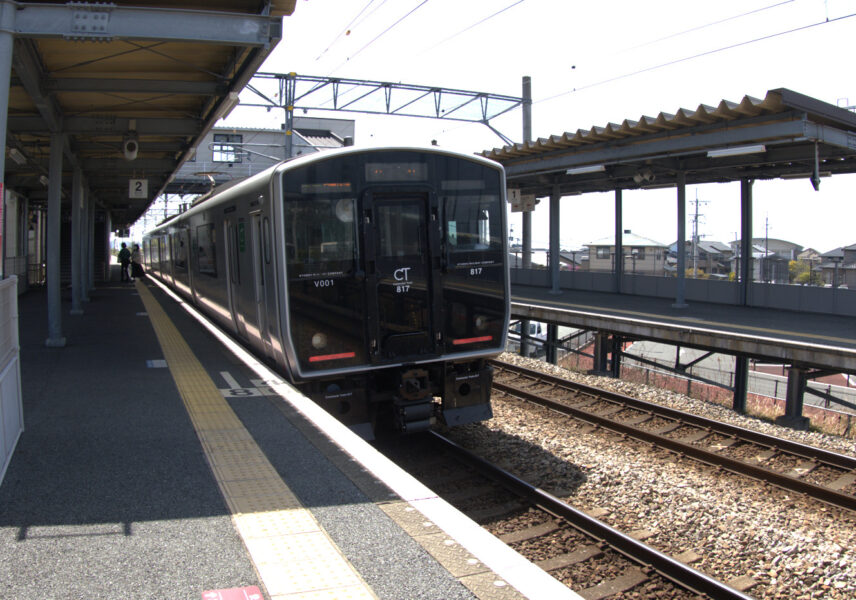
[
  {"x": 785, "y": 135},
  {"x": 153, "y": 73}
]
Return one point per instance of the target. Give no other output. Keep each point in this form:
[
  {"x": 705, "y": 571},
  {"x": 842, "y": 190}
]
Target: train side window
[
  {"x": 206, "y": 263},
  {"x": 234, "y": 261},
  {"x": 179, "y": 250},
  {"x": 167, "y": 254}
]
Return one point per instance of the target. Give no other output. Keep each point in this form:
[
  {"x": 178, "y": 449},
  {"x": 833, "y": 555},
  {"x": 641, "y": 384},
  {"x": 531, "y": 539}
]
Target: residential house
[
  {"x": 838, "y": 267},
  {"x": 574, "y": 260},
  {"x": 710, "y": 259},
  {"x": 539, "y": 257},
  {"x": 770, "y": 259},
  {"x": 641, "y": 255}
]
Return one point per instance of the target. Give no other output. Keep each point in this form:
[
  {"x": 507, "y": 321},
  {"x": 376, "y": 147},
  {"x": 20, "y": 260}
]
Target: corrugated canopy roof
[
  {"x": 756, "y": 139},
  {"x": 161, "y": 71}
]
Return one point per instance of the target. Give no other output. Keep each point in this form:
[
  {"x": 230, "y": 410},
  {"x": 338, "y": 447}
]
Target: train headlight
[
  {"x": 481, "y": 322},
  {"x": 319, "y": 341}
]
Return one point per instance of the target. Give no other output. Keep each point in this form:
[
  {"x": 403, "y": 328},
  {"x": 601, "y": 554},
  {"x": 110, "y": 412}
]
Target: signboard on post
[
  {"x": 521, "y": 202},
  {"x": 138, "y": 189}
]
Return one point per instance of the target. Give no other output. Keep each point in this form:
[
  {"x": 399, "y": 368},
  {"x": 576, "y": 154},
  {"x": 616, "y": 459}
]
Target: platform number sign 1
[{"x": 138, "y": 188}]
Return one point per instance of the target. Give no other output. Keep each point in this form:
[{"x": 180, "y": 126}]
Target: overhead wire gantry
[{"x": 289, "y": 91}]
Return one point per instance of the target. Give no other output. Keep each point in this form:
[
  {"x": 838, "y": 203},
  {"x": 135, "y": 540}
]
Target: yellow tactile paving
[
  {"x": 273, "y": 524},
  {"x": 313, "y": 544},
  {"x": 294, "y": 557},
  {"x": 356, "y": 592},
  {"x": 286, "y": 577}
]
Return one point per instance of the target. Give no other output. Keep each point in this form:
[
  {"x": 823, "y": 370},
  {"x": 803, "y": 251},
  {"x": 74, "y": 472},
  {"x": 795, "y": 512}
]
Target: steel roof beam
[
  {"x": 133, "y": 86},
  {"x": 102, "y": 146},
  {"x": 31, "y": 74},
  {"x": 105, "y": 22},
  {"x": 121, "y": 168},
  {"x": 100, "y": 126}
]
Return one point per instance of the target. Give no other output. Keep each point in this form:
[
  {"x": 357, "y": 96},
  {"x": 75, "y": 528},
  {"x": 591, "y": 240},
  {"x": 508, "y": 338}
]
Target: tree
[{"x": 800, "y": 272}]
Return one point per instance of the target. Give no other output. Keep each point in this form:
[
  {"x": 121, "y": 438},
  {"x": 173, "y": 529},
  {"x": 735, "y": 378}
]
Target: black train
[{"x": 376, "y": 280}]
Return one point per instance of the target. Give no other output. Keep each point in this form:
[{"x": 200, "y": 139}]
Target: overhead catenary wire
[
  {"x": 481, "y": 21},
  {"x": 706, "y": 25},
  {"x": 688, "y": 58},
  {"x": 347, "y": 28},
  {"x": 381, "y": 34},
  {"x": 685, "y": 59}
]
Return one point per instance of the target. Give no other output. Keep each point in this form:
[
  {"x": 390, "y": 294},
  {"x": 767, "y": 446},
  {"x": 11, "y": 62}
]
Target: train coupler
[{"x": 414, "y": 403}]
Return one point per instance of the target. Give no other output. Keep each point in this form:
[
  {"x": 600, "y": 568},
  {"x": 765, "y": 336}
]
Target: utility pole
[
  {"x": 766, "y": 248},
  {"x": 696, "y": 234}
]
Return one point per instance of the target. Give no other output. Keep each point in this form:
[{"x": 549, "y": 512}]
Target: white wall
[{"x": 11, "y": 408}]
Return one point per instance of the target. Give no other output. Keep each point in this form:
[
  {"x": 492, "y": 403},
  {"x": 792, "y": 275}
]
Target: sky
[{"x": 592, "y": 63}]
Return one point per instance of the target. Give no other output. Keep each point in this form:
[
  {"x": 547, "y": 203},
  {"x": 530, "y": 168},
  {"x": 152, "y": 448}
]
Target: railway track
[
  {"x": 594, "y": 559},
  {"x": 819, "y": 474}
]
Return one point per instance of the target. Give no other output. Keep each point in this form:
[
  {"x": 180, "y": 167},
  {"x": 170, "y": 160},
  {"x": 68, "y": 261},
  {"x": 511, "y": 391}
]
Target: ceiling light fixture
[
  {"x": 17, "y": 156},
  {"x": 736, "y": 151},
  {"x": 587, "y": 169}
]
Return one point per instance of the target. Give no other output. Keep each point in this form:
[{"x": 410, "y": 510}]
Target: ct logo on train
[{"x": 402, "y": 275}]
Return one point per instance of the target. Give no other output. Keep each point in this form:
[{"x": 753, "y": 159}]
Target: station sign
[
  {"x": 138, "y": 189},
  {"x": 520, "y": 202}
]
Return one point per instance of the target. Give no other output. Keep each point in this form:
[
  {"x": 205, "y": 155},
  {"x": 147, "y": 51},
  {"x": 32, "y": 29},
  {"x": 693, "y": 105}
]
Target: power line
[
  {"x": 382, "y": 33},
  {"x": 476, "y": 24},
  {"x": 687, "y": 58},
  {"x": 700, "y": 27},
  {"x": 347, "y": 28}
]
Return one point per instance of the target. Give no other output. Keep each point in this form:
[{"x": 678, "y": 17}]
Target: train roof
[{"x": 294, "y": 162}]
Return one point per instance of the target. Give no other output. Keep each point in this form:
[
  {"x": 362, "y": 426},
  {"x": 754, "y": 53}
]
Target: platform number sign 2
[{"x": 138, "y": 188}]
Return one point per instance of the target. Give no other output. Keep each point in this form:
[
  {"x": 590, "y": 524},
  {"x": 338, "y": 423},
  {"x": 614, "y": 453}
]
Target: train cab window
[
  {"x": 399, "y": 227},
  {"x": 320, "y": 234},
  {"x": 206, "y": 239},
  {"x": 472, "y": 223}
]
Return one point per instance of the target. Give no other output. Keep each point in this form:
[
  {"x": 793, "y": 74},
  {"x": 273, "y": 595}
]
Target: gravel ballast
[{"x": 791, "y": 546}]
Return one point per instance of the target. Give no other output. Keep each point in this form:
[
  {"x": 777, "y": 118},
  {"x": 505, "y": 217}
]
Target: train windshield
[{"x": 320, "y": 238}]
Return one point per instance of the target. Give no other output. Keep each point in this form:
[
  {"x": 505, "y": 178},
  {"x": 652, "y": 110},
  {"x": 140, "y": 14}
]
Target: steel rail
[
  {"x": 803, "y": 450},
  {"x": 668, "y": 567},
  {"x": 781, "y": 480}
]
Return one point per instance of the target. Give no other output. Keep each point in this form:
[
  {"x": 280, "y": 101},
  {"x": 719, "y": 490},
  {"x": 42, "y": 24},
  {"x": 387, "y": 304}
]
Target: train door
[
  {"x": 233, "y": 273},
  {"x": 260, "y": 250},
  {"x": 398, "y": 275}
]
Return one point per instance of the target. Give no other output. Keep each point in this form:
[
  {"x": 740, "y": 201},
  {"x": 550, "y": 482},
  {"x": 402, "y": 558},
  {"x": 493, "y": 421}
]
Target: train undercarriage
[{"x": 409, "y": 398}]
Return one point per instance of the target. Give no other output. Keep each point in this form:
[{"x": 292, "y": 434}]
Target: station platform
[
  {"x": 157, "y": 462},
  {"x": 817, "y": 340}
]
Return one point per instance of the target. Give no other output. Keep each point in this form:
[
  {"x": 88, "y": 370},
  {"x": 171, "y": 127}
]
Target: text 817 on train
[{"x": 375, "y": 280}]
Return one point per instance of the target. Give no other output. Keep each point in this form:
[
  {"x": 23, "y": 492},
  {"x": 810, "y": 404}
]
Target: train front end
[{"x": 397, "y": 284}]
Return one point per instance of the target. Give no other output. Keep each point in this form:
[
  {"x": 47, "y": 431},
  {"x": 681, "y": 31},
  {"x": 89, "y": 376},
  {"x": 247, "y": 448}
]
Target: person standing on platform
[
  {"x": 124, "y": 260},
  {"x": 136, "y": 262}
]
